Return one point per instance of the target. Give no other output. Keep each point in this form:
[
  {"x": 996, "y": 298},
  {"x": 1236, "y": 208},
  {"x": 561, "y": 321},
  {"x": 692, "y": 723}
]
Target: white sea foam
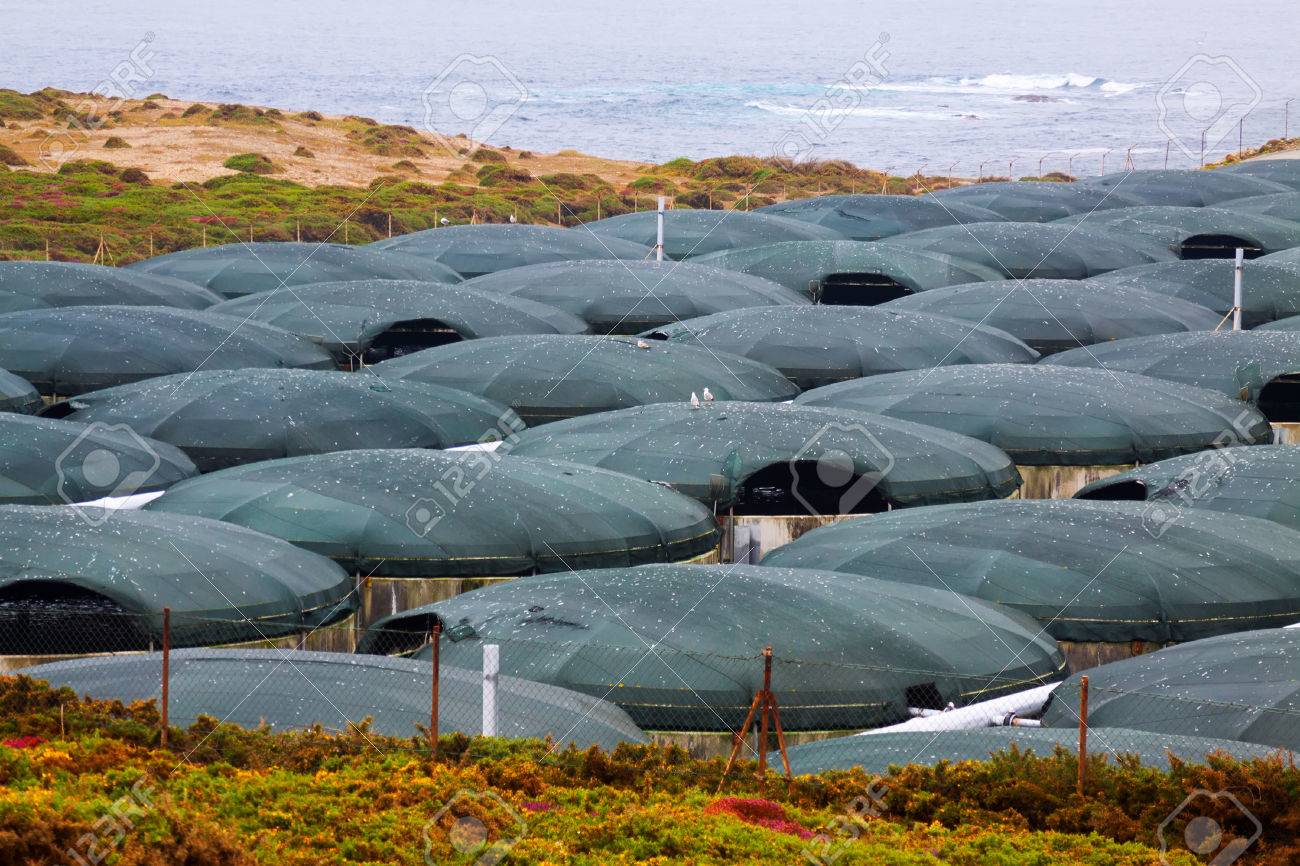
[{"x": 862, "y": 111}]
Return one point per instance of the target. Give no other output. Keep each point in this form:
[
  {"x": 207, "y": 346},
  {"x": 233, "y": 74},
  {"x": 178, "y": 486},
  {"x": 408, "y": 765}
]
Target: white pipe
[
  {"x": 982, "y": 715},
  {"x": 659, "y": 233},
  {"x": 1236, "y": 289},
  {"x": 491, "y": 671}
]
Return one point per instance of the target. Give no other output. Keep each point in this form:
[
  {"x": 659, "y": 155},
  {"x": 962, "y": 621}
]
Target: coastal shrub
[
  {"x": 8, "y": 156},
  {"x": 303, "y": 152},
  {"x": 487, "y": 154},
  {"x": 23, "y": 106},
  {"x": 311, "y": 115},
  {"x": 116, "y": 142},
  {"x": 252, "y": 163},
  {"x": 134, "y": 175},
  {"x": 194, "y": 109}
]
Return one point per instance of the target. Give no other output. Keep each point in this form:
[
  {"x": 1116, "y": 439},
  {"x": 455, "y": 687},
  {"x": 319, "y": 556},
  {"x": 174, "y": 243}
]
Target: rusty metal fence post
[
  {"x": 166, "y": 671},
  {"x": 435, "y": 642},
  {"x": 1083, "y": 733}
]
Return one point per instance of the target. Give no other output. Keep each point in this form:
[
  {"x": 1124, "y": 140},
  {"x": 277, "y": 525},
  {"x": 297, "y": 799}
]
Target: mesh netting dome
[
  {"x": 44, "y": 461},
  {"x": 725, "y": 452},
  {"x": 851, "y": 272},
  {"x": 1183, "y": 187},
  {"x": 85, "y": 580},
  {"x": 1285, "y": 257},
  {"x": 224, "y": 418},
  {"x": 1241, "y": 364},
  {"x": 1236, "y": 687},
  {"x": 689, "y": 233},
  {"x": 1055, "y": 315},
  {"x": 1269, "y": 290},
  {"x": 1281, "y": 171},
  {"x": 42, "y": 285},
  {"x": 474, "y": 250},
  {"x": 629, "y": 297},
  {"x": 876, "y": 753},
  {"x": 1043, "y": 418},
  {"x": 1200, "y": 232},
  {"x": 1050, "y": 251},
  {"x": 548, "y": 378},
  {"x": 1033, "y": 201},
  {"x": 1086, "y": 571},
  {"x": 383, "y": 318},
  {"x": 850, "y": 651},
  {"x": 77, "y": 349},
  {"x": 1260, "y": 481},
  {"x": 18, "y": 395},
  {"x": 232, "y": 270},
  {"x": 820, "y": 345},
  {"x": 1279, "y": 205},
  {"x": 438, "y": 514},
  {"x": 872, "y": 217},
  {"x": 293, "y": 689}
]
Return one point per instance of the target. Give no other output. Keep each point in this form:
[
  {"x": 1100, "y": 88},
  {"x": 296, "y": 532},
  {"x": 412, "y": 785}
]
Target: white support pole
[
  {"x": 659, "y": 232},
  {"x": 1236, "y": 289},
  {"x": 491, "y": 672}
]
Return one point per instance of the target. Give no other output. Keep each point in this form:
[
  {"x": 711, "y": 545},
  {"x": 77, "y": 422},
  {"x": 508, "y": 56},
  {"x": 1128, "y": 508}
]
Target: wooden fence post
[
  {"x": 1083, "y": 732},
  {"x": 166, "y": 672}
]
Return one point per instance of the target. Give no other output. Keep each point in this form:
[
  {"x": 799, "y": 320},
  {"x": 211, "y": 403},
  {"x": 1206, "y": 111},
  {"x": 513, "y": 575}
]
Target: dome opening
[
  {"x": 807, "y": 486},
  {"x": 1120, "y": 491},
  {"x": 1214, "y": 246},
  {"x": 64, "y": 618},
  {"x": 409, "y": 336},
  {"x": 861, "y": 289},
  {"x": 1280, "y": 398}
]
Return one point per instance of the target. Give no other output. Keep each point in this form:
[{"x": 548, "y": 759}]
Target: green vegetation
[
  {"x": 254, "y": 796},
  {"x": 116, "y": 142},
  {"x": 387, "y": 140},
  {"x": 253, "y": 163},
  {"x": 1275, "y": 145},
  {"x": 22, "y": 106}
]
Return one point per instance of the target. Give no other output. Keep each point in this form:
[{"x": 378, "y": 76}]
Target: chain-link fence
[{"x": 587, "y": 692}]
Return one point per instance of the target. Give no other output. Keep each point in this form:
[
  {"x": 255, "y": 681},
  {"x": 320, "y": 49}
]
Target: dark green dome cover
[
  {"x": 48, "y": 462},
  {"x": 1048, "y": 251},
  {"x": 43, "y": 285},
  {"x": 629, "y": 297},
  {"x": 876, "y": 753},
  {"x": 1270, "y": 290},
  {"x": 1236, "y": 687},
  {"x": 850, "y": 651},
  {"x": 475, "y": 250},
  {"x": 1086, "y": 571},
  {"x": 346, "y": 318},
  {"x": 1041, "y": 415},
  {"x": 452, "y": 514},
  {"x": 1032, "y": 201},
  {"x": 872, "y": 217},
  {"x": 295, "y": 689},
  {"x": 799, "y": 265},
  {"x": 223, "y": 418},
  {"x": 1055, "y": 315},
  {"x": 60, "y": 570},
  {"x": 1280, "y": 171},
  {"x": 689, "y": 233},
  {"x": 1279, "y": 205},
  {"x": 18, "y": 395},
  {"x": 232, "y": 270},
  {"x": 1182, "y": 187},
  {"x": 548, "y": 378},
  {"x": 820, "y": 345},
  {"x": 1177, "y": 226},
  {"x": 78, "y": 349},
  {"x": 710, "y": 453},
  {"x": 1236, "y": 363},
  {"x": 1260, "y": 481}
]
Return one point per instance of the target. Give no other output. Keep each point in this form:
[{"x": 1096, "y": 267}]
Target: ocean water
[{"x": 966, "y": 85}]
